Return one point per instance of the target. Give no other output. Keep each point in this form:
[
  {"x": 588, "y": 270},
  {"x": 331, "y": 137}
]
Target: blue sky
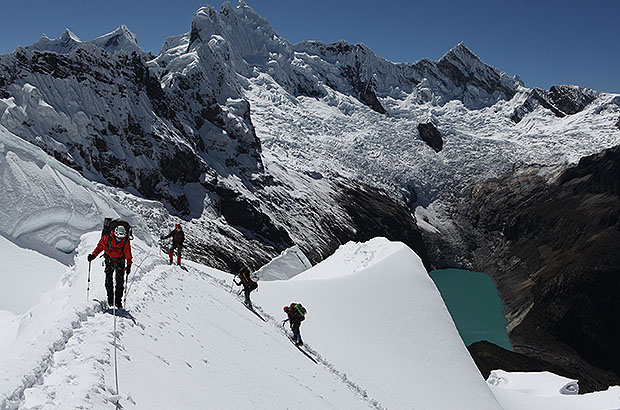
[{"x": 545, "y": 42}]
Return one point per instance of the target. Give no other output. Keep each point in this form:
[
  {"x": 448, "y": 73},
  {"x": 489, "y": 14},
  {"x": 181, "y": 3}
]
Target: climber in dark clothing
[
  {"x": 178, "y": 237},
  {"x": 296, "y": 314},
  {"x": 248, "y": 284}
]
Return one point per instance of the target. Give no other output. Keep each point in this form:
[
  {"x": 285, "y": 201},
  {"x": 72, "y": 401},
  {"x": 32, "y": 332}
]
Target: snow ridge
[{"x": 280, "y": 329}]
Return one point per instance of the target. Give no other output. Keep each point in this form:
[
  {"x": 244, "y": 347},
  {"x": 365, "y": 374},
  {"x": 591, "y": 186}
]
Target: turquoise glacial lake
[{"x": 474, "y": 304}]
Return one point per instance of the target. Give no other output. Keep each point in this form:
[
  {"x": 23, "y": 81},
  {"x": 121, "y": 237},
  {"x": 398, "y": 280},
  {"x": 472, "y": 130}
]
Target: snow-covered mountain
[
  {"x": 257, "y": 144},
  {"x": 186, "y": 341},
  {"x": 232, "y": 116}
]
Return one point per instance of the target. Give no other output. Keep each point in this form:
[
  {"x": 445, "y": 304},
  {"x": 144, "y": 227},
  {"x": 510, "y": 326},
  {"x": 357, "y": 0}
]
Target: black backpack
[{"x": 110, "y": 224}]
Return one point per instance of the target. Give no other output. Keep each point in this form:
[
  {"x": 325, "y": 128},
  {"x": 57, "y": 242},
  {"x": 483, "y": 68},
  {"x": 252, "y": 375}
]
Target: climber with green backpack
[{"x": 296, "y": 314}]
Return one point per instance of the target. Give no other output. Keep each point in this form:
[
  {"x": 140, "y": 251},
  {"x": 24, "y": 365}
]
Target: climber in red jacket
[{"x": 117, "y": 249}]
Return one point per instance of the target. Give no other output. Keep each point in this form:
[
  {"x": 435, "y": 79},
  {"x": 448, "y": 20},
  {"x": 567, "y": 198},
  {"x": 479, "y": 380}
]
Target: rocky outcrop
[
  {"x": 373, "y": 214},
  {"x": 430, "y": 135},
  {"x": 247, "y": 217},
  {"x": 470, "y": 74},
  {"x": 102, "y": 110},
  {"x": 571, "y": 99},
  {"x": 561, "y": 100},
  {"x": 549, "y": 239}
]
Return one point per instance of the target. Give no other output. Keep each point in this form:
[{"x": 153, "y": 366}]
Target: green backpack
[{"x": 300, "y": 310}]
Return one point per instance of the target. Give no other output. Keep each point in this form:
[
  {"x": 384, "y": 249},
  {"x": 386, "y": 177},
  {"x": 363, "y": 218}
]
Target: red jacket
[{"x": 114, "y": 249}]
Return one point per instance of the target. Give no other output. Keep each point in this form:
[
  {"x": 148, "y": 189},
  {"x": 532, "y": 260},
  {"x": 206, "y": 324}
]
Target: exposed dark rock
[
  {"x": 100, "y": 144},
  {"x": 618, "y": 124},
  {"x": 361, "y": 84},
  {"x": 570, "y": 99},
  {"x": 551, "y": 246},
  {"x": 250, "y": 220},
  {"x": 151, "y": 85},
  {"x": 596, "y": 174},
  {"x": 375, "y": 214},
  {"x": 213, "y": 114},
  {"x": 489, "y": 356},
  {"x": 463, "y": 67},
  {"x": 537, "y": 97},
  {"x": 369, "y": 98},
  {"x": 182, "y": 167},
  {"x": 3, "y": 87},
  {"x": 561, "y": 100},
  {"x": 430, "y": 135}
]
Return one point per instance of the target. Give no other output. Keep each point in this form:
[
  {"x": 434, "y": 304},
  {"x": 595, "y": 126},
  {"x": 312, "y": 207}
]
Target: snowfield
[
  {"x": 376, "y": 315},
  {"x": 376, "y": 325}
]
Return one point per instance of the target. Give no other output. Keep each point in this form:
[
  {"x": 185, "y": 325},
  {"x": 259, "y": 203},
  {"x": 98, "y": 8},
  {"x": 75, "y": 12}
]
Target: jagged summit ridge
[
  {"x": 66, "y": 42},
  {"x": 121, "y": 39},
  {"x": 248, "y": 44}
]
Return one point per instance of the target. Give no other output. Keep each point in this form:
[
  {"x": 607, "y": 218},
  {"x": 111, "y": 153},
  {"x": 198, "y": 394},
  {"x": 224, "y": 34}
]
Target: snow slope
[
  {"x": 547, "y": 391},
  {"x": 188, "y": 342},
  {"x": 375, "y": 314}
]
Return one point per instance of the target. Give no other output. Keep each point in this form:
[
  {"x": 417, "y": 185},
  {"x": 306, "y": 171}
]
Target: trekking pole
[
  {"x": 125, "y": 289},
  {"x": 88, "y": 286}
]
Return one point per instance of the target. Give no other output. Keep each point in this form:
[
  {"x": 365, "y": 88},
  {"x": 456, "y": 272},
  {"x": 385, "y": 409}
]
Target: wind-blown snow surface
[
  {"x": 289, "y": 263},
  {"x": 547, "y": 391},
  {"x": 45, "y": 205},
  {"x": 375, "y": 314}
]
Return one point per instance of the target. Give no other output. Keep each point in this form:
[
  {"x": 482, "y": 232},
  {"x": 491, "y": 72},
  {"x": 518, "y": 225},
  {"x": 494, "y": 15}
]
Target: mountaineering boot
[
  {"x": 179, "y": 261},
  {"x": 119, "y": 304}
]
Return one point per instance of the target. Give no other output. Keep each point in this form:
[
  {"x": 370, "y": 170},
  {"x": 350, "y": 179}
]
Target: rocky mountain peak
[
  {"x": 63, "y": 44},
  {"x": 463, "y": 53},
  {"x": 121, "y": 39},
  {"x": 465, "y": 69}
]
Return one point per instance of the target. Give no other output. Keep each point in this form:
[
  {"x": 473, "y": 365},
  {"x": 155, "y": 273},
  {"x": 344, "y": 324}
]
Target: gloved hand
[
  {"x": 161, "y": 237},
  {"x": 90, "y": 257},
  {"x": 128, "y": 269}
]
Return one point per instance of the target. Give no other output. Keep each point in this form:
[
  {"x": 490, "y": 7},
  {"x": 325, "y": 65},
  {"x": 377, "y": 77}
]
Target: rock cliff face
[
  {"x": 549, "y": 239},
  {"x": 561, "y": 100},
  {"x": 430, "y": 134}
]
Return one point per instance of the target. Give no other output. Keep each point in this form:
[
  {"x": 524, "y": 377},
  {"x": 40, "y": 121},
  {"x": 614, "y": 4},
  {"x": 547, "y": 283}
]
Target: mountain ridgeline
[
  {"x": 176, "y": 127},
  {"x": 259, "y": 144}
]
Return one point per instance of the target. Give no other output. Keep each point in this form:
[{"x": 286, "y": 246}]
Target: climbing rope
[
  {"x": 118, "y": 404},
  {"x": 128, "y": 285}
]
